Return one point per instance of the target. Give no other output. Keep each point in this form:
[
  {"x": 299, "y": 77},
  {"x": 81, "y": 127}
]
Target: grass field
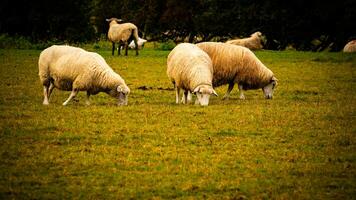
[{"x": 300, "y": 145}]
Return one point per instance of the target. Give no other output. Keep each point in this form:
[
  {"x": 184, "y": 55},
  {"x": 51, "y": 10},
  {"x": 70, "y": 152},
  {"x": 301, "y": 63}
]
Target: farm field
[{"x": 300, "y": 145}]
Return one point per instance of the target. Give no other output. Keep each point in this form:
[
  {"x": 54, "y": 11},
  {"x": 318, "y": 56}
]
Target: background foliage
[{"x": 306, "y": 25}]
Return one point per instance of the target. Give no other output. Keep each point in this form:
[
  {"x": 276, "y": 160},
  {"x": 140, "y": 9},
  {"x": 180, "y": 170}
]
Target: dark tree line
[{"x": 307, "y": 25}]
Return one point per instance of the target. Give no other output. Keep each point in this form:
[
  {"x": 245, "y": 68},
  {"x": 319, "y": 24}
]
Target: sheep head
[
  {"x": 203, "y": 93},
  {"x": 268, "y": 89},
  {"x": 257, "y": 34},
  {"x": 114, "y": 20},
  {"x": 122, "y": 94}
]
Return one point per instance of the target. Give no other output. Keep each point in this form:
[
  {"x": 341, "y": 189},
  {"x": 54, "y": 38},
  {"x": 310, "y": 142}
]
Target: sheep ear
[
  {"x": 196, "y": 90},
  {"x": 108, "y": 20},
  {"x": 119, "y": 89},
  {"x": 214, "y": 93}
]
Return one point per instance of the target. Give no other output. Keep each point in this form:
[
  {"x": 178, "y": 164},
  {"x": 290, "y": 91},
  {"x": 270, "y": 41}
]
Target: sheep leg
[
  {"x": 126, "y": 46},
  {"x": 113, "y": 48},
  {"x": 229, "y": 89},
  {"x": 242, "y": 96},
  {"x": 87, "y": 101},
  {"x": 188, "y": 97},
  {"x": 177, "y": 94},
  {"x": 119, "y": 49},
  {"x": 45, "y": 94},
  {"x": 136, "y": 47},
  {"x": 185, "y": 95},
  {"x": 50, "y": 90},
  {"x": 71, "y": 96}
]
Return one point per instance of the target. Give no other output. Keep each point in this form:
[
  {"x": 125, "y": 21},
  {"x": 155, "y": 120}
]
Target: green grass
[{"x": 300, "y": 145}]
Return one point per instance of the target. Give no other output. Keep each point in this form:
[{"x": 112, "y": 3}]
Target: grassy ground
[{"x": 300, "y": 145}]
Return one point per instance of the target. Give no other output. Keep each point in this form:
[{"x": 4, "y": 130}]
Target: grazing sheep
[
  {"x": 122, "y": 34},
  {"x": 141, "y": 42},
  {"x": 254, "y": 42},
  {"x": 189, "y": 68},
  {"x": 350, "y": 46},
  {"x": 74, "y": 69},
  {"x": 236, "y": 64}
]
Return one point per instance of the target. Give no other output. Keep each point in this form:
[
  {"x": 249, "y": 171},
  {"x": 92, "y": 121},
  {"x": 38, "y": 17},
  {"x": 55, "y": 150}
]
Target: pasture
[{"x": 300, "y": 145}]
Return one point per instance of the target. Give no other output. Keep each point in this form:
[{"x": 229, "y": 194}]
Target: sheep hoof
[
  {"x": 242, "y": 97},
  {"x": 45, "y": 103}
]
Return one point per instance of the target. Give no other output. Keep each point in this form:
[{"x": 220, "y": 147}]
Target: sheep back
[
  {"x": 188, "y": 67},
  {"x": 236, "y": 64},
  {"x": 350, "y": 46},
  {"x": 122, "y": 32},
  {"x": 253, "y": 42}
]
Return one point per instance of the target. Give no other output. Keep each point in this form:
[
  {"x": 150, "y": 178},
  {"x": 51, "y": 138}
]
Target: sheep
[
  {"x": 236, "y": 64},
  {"x": 140, "y": 42},
  {"x": 254, "y": 42},
  {"x": 74, "y": 69},
  {"x": 350, "y": 46},
  {"x": 189, "y": 68},
  {"x": 122, "y": 34}
]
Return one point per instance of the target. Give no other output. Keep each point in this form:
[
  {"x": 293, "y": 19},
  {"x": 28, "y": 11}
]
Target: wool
[
  {"x": 254, "y": 42},
  {"x": 122, "y": 34},
  {"x": 350, "y": 46},
  {"x": 234, "y": 64},
  {"x": 71, "y": 68}
]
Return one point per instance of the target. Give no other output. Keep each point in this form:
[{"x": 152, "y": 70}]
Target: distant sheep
[
  {"x": 74, "y": 69},
  {"x": 350, "y": 46},
  {"x": 189, "y": 68},
  {"x": 122, "y": 34},
  {"x": 236, "y": 64},
  {"x": 141, "y": 42},
  {"x": 254, "y": 42}
]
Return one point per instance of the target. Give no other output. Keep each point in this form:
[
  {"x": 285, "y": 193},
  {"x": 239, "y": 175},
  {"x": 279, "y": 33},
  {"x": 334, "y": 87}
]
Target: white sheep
[
  {"x": 254, "y": 42},
  {"x": 189, "y": 68},
  {"x": 141, "y": 42},
  {"x": 122, "y": 34},
  {"x": 350, "y": 46},
  {"x": 236, "y": 64},
  {"x": 74, "y": 69}
]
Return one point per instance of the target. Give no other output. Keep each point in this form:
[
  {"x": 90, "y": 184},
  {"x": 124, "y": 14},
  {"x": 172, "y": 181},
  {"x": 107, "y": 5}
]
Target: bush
[
  {"x": 21, "y": 42},
  {"x": 166, "y": 46}
]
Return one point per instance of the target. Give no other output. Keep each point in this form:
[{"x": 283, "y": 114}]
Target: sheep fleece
[
  {"x": 188, "y": 67},
  {"x": 236, "y": 64},
  {"x": 350, "y": 46},
  {"x": 122, "y": 32},
  {"x": 72, "y": 67},
  {"x": 253, "y": 42}
]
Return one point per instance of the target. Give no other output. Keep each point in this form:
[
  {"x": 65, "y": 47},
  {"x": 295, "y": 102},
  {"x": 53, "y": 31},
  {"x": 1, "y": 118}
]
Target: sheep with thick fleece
[
  {"x": 236, "y": 64},
  {"x": 122, "y": 34},
  {"x": 141, "y": 42},
  {"x": 350, "y": 46},
  {"x": 74, "y": 69},
  {"x": 189, "y": 68},
  {"x": 254, "y": 42}
]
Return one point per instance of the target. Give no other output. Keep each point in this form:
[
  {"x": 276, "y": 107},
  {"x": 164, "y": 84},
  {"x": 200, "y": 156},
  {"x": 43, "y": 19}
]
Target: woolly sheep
[
  {"x": 254, "y": 42},
  {"x": 236, "y": 64},
  {"x": 189, "y": 68},
  {"x": 141, "y": 42},
  {"x": 350, "y": 46},
  {"x": 74, "y": 69},
  {"x": 122, "y": 34}
]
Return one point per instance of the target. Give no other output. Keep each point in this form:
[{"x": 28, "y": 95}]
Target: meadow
[{"x": 299, "y": 145}]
